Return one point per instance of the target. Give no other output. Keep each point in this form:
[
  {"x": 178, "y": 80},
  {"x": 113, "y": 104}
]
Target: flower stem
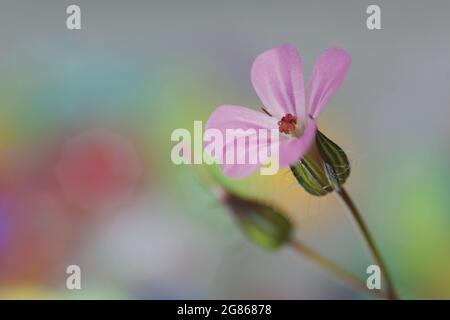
[
  {"x": 333, "y": 268},
  {"x": 391, "y": 293}
]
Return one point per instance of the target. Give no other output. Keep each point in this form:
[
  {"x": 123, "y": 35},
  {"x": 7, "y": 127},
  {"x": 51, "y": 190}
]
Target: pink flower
[{"x": 290, "y": 108}]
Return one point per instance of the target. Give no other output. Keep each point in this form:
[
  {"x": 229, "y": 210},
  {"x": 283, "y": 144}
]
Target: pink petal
[
  {"x": 292, "y": 149},
  {"x": 277, "y": 76},
  {"x": 236, "y": 117},
  {"x": 329, "y": 72}
]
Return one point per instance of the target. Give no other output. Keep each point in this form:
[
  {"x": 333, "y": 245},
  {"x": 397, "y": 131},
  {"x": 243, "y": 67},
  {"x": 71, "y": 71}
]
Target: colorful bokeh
[{"x": 138, "y": 70}]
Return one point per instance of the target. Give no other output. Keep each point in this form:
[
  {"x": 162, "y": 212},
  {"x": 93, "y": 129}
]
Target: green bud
[
  {"x": 262, "y": 224},
  {"x": 323, "y": 169}
]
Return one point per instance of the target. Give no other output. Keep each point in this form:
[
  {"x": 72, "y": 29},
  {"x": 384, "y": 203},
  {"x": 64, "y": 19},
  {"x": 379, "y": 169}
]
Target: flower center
[{"x": 288, "y": 124}]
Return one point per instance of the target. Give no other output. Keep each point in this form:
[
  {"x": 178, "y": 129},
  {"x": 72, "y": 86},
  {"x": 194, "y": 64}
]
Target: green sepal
[
  {"x": 311, "y": 176},
  {"x": 323, "y": 169},
  {"x": 336, "y": 164}
]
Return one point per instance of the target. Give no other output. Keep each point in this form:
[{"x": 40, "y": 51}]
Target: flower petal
[
  {"x": 277, "y": 76},
  {"x": 237, "y": 117},
  {"x": 291, "y": 150},
  {"x": 329, "y": 72}
]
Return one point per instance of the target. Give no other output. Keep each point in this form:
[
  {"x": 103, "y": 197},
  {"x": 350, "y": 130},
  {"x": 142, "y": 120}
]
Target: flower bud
[
  {"x": 323, "y": 169},
  {"x": 262, "y": 224}
]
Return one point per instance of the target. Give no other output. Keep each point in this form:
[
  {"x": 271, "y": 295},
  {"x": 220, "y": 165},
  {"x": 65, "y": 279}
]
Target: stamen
[{"x": 288, "y": 124}]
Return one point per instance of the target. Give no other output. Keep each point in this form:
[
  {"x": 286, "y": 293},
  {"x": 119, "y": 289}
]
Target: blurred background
[{"x": 85, "y": 170}]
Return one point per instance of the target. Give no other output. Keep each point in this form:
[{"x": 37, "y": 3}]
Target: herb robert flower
[{"x": 291, "y": 108}]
